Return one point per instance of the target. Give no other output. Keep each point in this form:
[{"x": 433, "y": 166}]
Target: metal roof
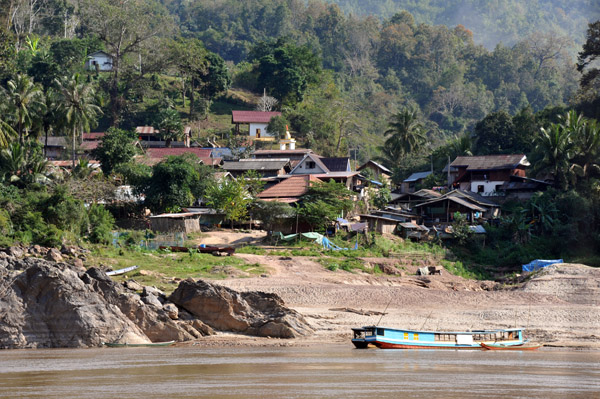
[
  {"x": 417, "y": 176},
  {"x": 457, "y": 200},
  {"x": 252, "y": 116},
  {"x": 256, "y": 164},
  {"x": 162, "y": 152},
  {"x": 292, "y": 187},
  {"x": 487, "y": 162},
  {"x": 341, "y": 164}
]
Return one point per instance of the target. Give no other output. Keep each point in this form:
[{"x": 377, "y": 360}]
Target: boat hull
[
  {"x": 390, "y": 338},
  {"x": 524, "y": 347}
]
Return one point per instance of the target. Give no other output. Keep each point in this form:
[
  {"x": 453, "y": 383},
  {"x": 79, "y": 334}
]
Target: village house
[
  {"x": 441, "y": 210},
  {"x": 150, "y": 137},
  {"x": 379, "y": 172},
  {"x": 100, "y": 61},
  {"x": 257, "y": 122},
  {"x": 408, "y": 200},
  {"x": 55, "y": 147},
  {"x": 409, "y": 184},
  {"x": 486, "y": 174}
]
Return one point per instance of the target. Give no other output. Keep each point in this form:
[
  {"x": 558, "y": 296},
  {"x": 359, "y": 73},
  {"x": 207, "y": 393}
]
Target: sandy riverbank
[{"x": 560, "y": 307}]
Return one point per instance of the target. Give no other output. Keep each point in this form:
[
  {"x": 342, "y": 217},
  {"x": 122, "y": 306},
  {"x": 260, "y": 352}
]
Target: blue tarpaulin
[{"x": 539, "y": 264}]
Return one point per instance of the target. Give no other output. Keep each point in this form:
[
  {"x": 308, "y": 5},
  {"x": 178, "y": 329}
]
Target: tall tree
[
  {"x": 25, "y": 99},
  {"x": 116, "y": 147},
  {"x": 124, "y": 27},
  {"x": 79, "y": 109}
]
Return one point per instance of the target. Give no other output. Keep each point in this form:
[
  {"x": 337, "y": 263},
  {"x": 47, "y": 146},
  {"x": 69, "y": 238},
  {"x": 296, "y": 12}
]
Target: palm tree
[
  {"x": 405, "y": 133},
  {"x": 23, "y": 165},
  {"x": 6, "y": 133},
  {"x": 25, "y": 100},
  {"x": 556, "y": 147},
  {"x": 78, "y": 109}
]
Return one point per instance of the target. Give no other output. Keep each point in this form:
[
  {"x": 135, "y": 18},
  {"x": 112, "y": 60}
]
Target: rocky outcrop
[
  {"x": 44, "y": 303},
  {"x": 252, "y": 313}
]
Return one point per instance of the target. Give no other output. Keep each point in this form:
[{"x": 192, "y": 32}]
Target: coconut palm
[
  {"x": 25, "y": 101},
  {"x": 78, "y": 109},
  {"x": 405, "y": 133},
  {"x": 556, "y": 147},
  {"x": 7, "y": 133}
]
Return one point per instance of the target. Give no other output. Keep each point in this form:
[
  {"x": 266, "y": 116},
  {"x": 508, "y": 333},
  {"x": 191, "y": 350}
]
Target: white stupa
[{"x": 287, "y": 141}]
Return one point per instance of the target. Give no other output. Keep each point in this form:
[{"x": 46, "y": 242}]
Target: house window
[
  {"x": 257, "y": 133},
  {"x": 310, "y": 165},
  {"x": 499, "y": 187},
  {"x": 480, "y": 188}
]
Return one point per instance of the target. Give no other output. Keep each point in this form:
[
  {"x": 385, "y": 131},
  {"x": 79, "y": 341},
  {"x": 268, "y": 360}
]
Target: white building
[
  {"x": 257, "y": 121},
  {"x": 101, "y": 59}
]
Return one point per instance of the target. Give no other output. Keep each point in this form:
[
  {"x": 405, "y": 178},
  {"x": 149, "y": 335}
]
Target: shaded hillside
[{"x": 491, "y": 22}]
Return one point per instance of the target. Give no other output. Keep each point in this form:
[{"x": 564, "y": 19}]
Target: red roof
[
  {"x": 89, "y": 145},
  {"x": 93, "y": 135},
  {"x": 252, "y": 116},
  {"x": 145, "y": 130},
  {"x": 164, "y": 152},
  {"x": 291, "y": 187}
]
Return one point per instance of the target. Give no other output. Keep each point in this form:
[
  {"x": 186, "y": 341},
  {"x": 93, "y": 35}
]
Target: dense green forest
[
  {"x": 492, "y": 22},
  {"x": 411, "y": 86}
]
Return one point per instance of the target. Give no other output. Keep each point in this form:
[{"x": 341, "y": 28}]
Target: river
[{"x": 332, "y": 371}]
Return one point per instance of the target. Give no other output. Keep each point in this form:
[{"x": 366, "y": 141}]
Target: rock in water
[{"x": 253, "y": 313}]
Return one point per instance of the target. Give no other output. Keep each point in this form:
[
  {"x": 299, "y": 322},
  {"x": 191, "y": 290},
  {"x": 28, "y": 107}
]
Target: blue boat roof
[{"x": 448, "y": 332}]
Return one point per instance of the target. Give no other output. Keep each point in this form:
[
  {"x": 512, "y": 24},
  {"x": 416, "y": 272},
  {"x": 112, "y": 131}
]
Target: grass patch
[
  {"x": 349, "y": 265},
  {"x": 252, "y": 250},
  {"x": 471, "y": 272},
  {"x": 161, "y": 267}
]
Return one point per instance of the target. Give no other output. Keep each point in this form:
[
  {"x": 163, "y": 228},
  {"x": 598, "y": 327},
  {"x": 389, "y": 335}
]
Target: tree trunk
[{"x": 73, "y": 149}]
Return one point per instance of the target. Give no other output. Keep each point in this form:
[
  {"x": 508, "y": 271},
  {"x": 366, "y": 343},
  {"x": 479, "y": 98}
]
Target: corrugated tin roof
[
  {"x": 417, "y": 176},
  {"x": 425, "y": 192},
  {"x": 473, "y": 197},
  {"x": 256, "y": 164},
  {"x": 163, "y": 152},
  {"x": 340, "y": 164},
  {"x": 486, "y": 162},
  {"x": 291, "y": 187},
  {"x": 316, "y": 159},
  {"x": 281, "y": 153},
  {"x": 89, "y": 145},
  {"x": 252, "y": 116},
  {"x": 146, "y": 130},
  {"x": 457, "y": 200},
  {"x": 176, "y": 215}
]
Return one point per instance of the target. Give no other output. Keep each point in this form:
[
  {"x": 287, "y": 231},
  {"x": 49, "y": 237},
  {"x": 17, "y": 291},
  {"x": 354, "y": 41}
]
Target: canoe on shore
[
  {"x": 126, "y": 345},
  {"x": 121, "y": 271},
  {"x": 202, "y": 249},
  {"x": 499, "y": 347}
]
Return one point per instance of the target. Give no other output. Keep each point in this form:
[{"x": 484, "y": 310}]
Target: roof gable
[
  {"x": 298, "y": 169},
  {"x": 163, "y": 152},
  {"x": 377, "y": 165},
  {"x": 253, "y": 116},
  {"x": 417, "y": 176}
]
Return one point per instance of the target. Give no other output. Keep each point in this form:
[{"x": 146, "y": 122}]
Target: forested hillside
[{"x": 492, "y": 22}]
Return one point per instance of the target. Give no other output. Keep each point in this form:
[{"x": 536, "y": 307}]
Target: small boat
[
  {"x": 121, "y": 271},
  {"x": 527, "y": 346},
  {"x": 126, "y": 345},
  {"x": 391, "y": 338}
]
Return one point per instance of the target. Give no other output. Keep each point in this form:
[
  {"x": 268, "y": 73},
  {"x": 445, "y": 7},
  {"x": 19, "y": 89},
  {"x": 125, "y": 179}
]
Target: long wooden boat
[
  {"x": 126, "y": 345},
  {"x": 527, "y": 346},
  {"x": 391, "y": 338}
]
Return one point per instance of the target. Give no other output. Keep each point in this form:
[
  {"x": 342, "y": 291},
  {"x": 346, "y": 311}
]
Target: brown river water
[{"x": 332, "y": 371}]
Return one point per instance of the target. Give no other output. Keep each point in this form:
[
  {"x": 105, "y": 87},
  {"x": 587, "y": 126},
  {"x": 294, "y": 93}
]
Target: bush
[{"x": 101, "y": 224}]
